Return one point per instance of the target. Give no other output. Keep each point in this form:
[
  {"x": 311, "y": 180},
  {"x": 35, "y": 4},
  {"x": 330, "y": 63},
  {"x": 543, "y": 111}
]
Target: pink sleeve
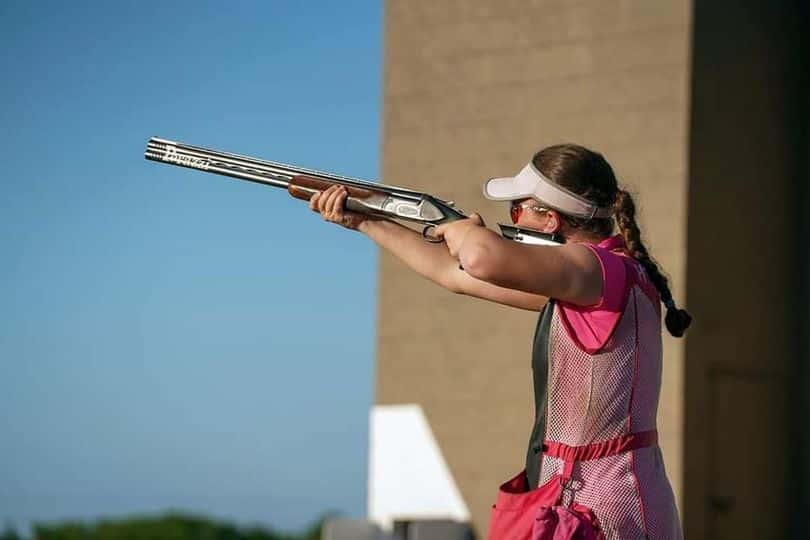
[{"x": 592, "y": 326}]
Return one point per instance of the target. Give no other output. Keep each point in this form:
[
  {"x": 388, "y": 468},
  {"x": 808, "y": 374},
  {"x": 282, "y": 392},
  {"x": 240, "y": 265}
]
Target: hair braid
[{"x": 676, "y": 320}]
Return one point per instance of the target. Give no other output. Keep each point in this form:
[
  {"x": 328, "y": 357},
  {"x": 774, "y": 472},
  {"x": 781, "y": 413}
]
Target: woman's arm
[
  {"x": 435, "y": 263},
  {"x": 427, "y": 259},
  {"x": 570, "y": 272}
]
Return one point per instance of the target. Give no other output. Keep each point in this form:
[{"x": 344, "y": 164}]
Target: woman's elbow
[{"x": 478, "y": 263}]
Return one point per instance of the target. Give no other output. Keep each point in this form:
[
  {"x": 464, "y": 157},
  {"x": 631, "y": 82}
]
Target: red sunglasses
[{"x": 516, "y": 209}]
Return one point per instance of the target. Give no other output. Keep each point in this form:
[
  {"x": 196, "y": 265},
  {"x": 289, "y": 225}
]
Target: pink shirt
[{"x": 592, "y": 326}]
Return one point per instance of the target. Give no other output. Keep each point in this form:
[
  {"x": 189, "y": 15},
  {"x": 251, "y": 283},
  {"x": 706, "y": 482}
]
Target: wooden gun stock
[{"x": 303, "y": 187}]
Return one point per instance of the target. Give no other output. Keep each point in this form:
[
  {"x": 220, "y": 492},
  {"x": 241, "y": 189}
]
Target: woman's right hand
[{"x": 329, "y": 204}]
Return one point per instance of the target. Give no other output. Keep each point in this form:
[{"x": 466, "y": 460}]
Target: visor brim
[{"x": 503, "y": 189}]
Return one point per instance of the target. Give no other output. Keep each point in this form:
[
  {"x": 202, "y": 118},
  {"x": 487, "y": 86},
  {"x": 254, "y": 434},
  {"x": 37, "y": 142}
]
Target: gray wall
[
  {"x": 704, "y": 113},
  {"x": 799, "y": 487},
  {"x": 472, "y": 89},
  {"x": 742, "y": 356}
]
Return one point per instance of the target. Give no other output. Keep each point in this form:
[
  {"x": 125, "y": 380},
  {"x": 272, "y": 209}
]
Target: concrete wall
[
  {"x": 799, "y": 492},
  {"x": 472, "y": 88},
  {"x": 743, "y": 357}
]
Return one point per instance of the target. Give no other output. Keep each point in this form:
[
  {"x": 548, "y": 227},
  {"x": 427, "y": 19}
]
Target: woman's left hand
[{"x": 453, "y": 233}]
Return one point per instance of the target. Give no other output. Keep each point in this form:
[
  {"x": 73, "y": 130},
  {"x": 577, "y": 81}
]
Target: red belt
[{"x": 610, "y": 447}]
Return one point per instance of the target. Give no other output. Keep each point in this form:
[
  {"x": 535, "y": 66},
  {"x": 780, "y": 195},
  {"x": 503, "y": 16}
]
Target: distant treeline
[{"x": 166, "y": 527}]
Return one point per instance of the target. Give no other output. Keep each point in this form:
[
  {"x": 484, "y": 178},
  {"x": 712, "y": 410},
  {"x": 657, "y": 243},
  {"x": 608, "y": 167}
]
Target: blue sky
[{"x": 169, "y": 338}]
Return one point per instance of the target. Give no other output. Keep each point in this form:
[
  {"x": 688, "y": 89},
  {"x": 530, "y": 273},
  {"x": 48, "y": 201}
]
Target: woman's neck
[{"x": 578, "y": 236}]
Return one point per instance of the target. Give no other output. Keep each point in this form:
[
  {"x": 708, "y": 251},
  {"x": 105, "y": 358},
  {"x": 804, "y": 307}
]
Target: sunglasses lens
[{"x": 514, "y": 212}]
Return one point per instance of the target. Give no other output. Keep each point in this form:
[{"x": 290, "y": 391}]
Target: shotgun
[{"x": 363, "y": 197}]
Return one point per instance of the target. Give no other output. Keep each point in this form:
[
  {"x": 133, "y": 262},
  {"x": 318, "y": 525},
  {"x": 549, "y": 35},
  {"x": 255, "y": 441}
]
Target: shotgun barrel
[{"x": 364, "y": 196}]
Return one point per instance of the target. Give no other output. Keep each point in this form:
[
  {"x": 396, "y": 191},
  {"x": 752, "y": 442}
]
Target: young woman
[{"x": 597, "y": 355}]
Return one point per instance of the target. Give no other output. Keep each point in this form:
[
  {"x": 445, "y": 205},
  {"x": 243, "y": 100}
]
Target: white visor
[{"x": 530, "y": 182}]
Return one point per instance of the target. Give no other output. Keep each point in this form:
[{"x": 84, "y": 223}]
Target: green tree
[
  {"x": 172, "y": 526},
  {"x": 10, "y": 534}
]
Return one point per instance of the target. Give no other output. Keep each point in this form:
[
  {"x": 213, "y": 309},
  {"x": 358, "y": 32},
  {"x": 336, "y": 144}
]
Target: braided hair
[{"x": 588, "y": 174}]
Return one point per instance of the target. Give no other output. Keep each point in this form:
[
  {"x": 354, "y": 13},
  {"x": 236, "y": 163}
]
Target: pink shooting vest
[{"x": 594, "y": 468}]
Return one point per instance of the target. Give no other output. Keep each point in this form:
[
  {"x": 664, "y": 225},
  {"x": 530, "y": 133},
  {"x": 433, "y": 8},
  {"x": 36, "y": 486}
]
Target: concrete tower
[{"x": 702, "y": 111}]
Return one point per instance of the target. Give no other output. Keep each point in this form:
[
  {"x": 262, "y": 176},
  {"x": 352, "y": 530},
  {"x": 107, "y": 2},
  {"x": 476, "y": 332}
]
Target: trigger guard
[{"x": 431, "y": 239}]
